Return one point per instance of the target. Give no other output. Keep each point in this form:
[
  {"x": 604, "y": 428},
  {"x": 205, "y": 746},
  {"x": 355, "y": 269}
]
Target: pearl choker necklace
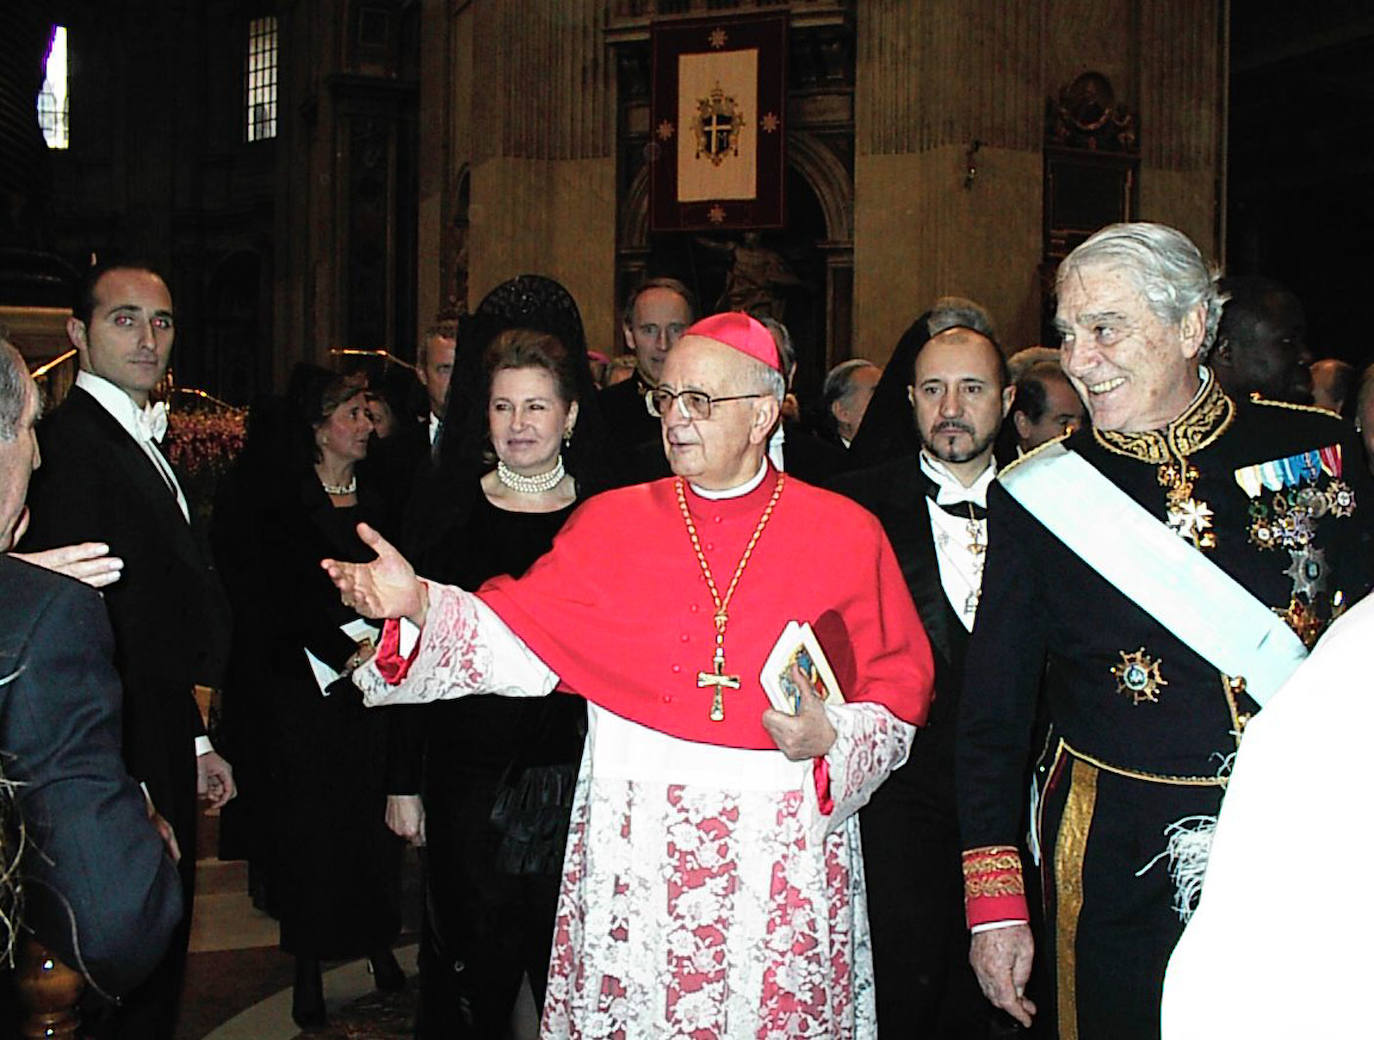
[
  {"x": 341, "y": 489},
  {"x": 534, "y": 485}
]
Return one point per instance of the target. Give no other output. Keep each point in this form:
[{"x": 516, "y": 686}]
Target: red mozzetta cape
[{"x": 620, "y": 610}]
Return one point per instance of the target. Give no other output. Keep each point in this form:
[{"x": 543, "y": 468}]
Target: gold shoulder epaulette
[
  {"x": 1257, "y": 399},
  {"x": 1032, "y": 453}
]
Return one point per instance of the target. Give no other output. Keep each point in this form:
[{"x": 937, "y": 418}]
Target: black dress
[
  {"x": 335, "y": 873},
  {"x": 492, "y": 915}
]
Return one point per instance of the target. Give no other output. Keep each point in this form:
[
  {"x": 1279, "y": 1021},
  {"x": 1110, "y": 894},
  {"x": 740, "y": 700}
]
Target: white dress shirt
[
  {"x": 136, "y": 422},
  {"x": 960, "y": 541},
  {"x": 775, "y": 448}
]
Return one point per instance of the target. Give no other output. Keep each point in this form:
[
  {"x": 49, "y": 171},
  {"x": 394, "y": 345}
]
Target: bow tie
[
  {"x": 964, "y": 508},
  {"x": 152, "y": 422}
]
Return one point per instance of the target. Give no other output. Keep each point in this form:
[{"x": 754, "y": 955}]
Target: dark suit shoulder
[
  {"x": 74, "y": 421},
  {"x": 872, "y": 486},
  {"x": 29, "y": 589},
  {"x": 1264, "y": 426},
  {"x": 60, "y": 732},
  {"x": 627, "y": 419},
  {"x": 811, "y": 458},
  {"x": 37, "y": 603}
]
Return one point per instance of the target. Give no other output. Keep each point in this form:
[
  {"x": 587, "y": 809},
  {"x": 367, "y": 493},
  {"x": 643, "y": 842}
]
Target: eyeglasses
[{"x": 696, "y": 404}]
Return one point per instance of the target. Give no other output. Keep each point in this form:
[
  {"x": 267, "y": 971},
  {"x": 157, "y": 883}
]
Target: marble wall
[{"x": 937, "y": 75}]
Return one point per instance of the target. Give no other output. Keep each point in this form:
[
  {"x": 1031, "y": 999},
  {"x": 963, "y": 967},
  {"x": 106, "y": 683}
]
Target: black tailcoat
[
  {"x": 168, "y": 611},
  {"x": 911, "y": 844}
]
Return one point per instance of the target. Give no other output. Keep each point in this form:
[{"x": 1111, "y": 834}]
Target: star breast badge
[
  {"x": 1138, "y": 675},
  {"x": 1192, "y": 519}
]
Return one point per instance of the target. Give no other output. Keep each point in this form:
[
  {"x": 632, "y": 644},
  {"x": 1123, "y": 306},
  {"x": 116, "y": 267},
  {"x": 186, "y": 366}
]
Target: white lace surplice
[{"x": 704, "y": 894}]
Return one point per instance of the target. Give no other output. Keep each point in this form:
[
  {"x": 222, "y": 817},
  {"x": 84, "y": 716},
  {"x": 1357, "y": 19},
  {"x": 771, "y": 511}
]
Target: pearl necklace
[
  {"x": 341, "y": 489},
  {"x": 534, "y": 485}
]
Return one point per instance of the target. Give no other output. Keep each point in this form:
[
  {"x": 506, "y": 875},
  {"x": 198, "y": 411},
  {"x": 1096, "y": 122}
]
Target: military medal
[
  {"x": 1308, "y": 571},
  {"x": 1285, "y": 505},
  {"x": 1138, "y": 675},
  {"x": 716, "y": 677},
  {"x": 1287, "y": 520},
  {"x": 1187, "y": 516},
  {"x": 1302, "y": 620},
  {"x": 1340, "y": 498}
]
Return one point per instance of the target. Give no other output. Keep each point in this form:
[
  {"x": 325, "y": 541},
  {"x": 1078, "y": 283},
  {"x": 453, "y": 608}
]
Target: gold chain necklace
[{"x": 717, "y": 677}]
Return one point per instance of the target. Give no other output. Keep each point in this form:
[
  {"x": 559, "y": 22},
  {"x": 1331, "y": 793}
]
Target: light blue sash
[{"x": 1207, "y": 609}]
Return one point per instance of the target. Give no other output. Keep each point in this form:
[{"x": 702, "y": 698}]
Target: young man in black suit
[
  {"x": 99, "y": 889},
  {"x": 933, "y": 508},
  {"x": 106, "y": 480}
]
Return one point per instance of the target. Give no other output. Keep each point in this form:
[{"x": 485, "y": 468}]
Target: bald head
[
  {"x": 960, "y": 396},
  {"x": 1332, "y": 380},
  {"x": 19, "y": 406}
]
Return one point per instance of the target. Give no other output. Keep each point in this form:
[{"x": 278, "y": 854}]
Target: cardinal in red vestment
[{"x": 712, "y": 886}]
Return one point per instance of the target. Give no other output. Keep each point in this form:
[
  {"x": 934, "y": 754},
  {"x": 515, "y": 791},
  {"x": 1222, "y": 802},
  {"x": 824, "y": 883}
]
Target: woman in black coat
[{"x": 336, "y": 868}]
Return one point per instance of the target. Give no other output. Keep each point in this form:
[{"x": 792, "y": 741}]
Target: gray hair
[
  {"x": 1030, "y": 357},
  {"x": 950, "y": 312},
  {"x": 764, "y": 379},
  {"x": 439, "y": 330},
  {"x": 1165, "y": 266},
  {"x": 1362, "y": 395},
  {"x": 839, "y": 381},
  {"x": 787, "y": 354},
  {"x": 15, "y": 387}
]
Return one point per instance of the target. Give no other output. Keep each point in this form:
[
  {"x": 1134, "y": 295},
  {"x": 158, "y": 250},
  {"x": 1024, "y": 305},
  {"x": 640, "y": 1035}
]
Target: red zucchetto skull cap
[{"x": 738, "y": 330}]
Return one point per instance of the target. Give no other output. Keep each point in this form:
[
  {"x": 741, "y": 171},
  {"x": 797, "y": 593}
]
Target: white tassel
[{"x": 1188, "y": 848}]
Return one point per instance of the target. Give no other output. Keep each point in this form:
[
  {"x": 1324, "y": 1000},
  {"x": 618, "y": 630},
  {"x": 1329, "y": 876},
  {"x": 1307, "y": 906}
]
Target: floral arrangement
[{"x": 204, "y": 442}]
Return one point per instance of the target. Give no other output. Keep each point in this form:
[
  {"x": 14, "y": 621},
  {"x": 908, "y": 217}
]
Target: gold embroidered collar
[{"x": 1202, "y": 422}]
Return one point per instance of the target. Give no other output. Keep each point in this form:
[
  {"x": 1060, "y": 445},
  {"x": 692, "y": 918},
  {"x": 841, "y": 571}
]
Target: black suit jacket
[
  {"x": 168, "y": 611},
  {"x": 627, "y": 419},
  {"x": 809, "y": 458},
  {"x": 93, "y": 863},
  {"x": 896, "y": 492}
]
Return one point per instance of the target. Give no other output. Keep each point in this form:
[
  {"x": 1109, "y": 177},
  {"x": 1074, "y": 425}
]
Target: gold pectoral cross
[{"x": 721, "y": 682}]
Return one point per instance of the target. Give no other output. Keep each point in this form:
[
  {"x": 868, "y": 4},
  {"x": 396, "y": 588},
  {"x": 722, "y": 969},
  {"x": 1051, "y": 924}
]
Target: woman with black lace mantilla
[{"x": 522, "y": 444}]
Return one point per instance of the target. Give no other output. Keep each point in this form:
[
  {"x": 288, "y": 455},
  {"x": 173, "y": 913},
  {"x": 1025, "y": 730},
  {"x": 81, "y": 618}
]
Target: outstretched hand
[
  {"x": 90, "y": 562},
  {"x": 385, "y": 588},
  {"x": 807, "y": 734}
]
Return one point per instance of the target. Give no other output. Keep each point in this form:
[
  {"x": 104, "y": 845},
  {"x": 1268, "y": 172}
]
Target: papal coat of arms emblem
[{"x": 717, "y": 126}]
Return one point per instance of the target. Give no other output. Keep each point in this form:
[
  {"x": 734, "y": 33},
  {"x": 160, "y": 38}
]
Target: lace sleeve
[
  {"x": 464, "y": 648},
  {"x": 870, "y": 742}
]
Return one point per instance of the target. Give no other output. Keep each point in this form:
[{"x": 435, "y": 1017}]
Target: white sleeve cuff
[
  {"x": 407, "y": 637},
  {"x": 203, "y": 746},
  {"x": 992, "y": 926}
]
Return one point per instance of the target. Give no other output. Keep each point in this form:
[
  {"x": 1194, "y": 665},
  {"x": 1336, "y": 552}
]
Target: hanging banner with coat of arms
[{"x": 716, "y": 151}]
